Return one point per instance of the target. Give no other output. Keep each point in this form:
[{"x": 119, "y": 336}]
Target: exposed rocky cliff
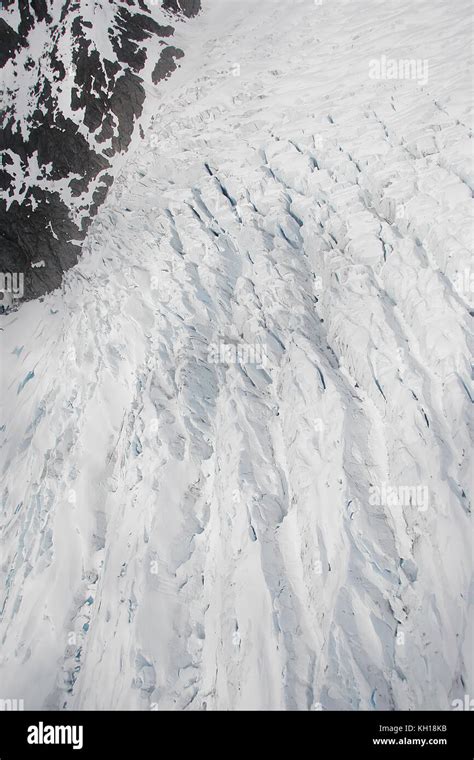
[{"x": 75, "y": 77}]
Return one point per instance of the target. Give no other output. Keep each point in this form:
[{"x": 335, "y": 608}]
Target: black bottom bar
[{"x": 382, "y": 734}]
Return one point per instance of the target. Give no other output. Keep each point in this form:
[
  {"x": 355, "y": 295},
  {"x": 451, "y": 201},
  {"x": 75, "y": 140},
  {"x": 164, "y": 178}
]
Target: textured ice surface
[{"x": 235, "y": 443}]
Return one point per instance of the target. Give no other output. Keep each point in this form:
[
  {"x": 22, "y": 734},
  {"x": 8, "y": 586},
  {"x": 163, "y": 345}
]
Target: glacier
[{"x": 236, "y": 440}]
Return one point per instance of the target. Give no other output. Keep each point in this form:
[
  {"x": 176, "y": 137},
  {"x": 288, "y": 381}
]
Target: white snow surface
[{"x": 190, "y": 526}]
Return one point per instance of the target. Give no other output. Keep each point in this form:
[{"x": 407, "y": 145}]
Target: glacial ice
[{"x": 184, "y": 528}]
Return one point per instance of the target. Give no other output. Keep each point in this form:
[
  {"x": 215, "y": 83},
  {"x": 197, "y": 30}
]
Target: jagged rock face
[{"x": 74, "y": 78}]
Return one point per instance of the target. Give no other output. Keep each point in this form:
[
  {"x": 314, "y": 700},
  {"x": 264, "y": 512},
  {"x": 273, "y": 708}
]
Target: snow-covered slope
[{"x": 236, "y": 440}]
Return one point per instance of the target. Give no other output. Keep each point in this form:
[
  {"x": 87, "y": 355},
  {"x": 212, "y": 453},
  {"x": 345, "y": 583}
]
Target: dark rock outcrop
[
  {"x": 166, "y": 65},
  {"x": 68, "y": 109}
]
